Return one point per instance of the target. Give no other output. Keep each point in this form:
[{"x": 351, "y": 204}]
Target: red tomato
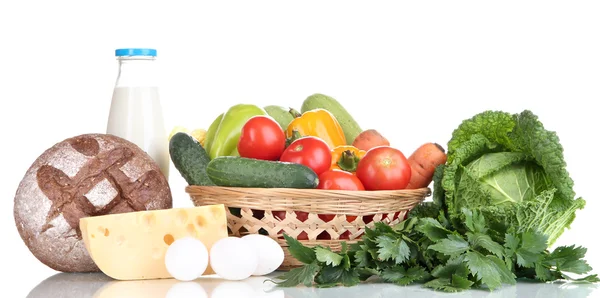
[
  {"x": 324, "y": 236},
  {"x": 345, "y": 235},
  {"x": 309, "y": 151},
  {"x": 326, "y": 217},
  {"x": 384, "y": 168},
  {"x": 261, "y": 138},
  {"x": 302, "y": 236},
  {"x": 340, "y": 180},
  {"x": 300, "y": 215}
]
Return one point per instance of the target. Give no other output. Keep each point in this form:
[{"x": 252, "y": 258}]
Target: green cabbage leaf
[{"x": 512, "y": 170}]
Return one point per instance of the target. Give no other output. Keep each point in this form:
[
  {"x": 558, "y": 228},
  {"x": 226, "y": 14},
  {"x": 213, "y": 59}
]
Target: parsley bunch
[{"x": 431, "y": 252}]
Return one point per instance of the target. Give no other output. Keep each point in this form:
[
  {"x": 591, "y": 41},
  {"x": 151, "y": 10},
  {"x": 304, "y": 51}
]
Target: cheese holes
[
  {"x": 191, "y": 230},
  {"x": 103, "y": 231},
  {"x": 181, "y": 217},
  {"x": 121, "y": 240},
  {"x": 168, "y": 239},
  {"x": 149, "y": 220},
  {"x": 216, "y": 211},
  {"x": 200, "y": 221}
]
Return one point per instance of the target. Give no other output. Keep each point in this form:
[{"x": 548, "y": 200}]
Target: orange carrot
[
  {"x": 423, "y": 163},
  {"x": 368, "y": 139}
]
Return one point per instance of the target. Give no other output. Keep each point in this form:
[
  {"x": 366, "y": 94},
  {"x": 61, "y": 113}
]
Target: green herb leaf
[
  {"x": 564, "y": 254},
  {"x": 534, "y": 242},
  {"x": 506, "y": 275},
  {"x": 370, "y": 234},
  {"x": 406, "y": 225},
  {"x": 511, "y": 243},
  {"x": 528, "y": 251},
  {"x": 302, "y": 275},
  {"x": 455, "y": 266},
  {"x": 474, "y": 221},
  {"x": 542, "y": 273},
  {"x": 460, "y": 282},
  {"x": 395, "y": 249},
  {"x": 365, "y": 273},
  {"x": 440, "y": 284},
  {"x": 526, "y": 258},
  {"x": 451, "y": 246},
  {"x": 302, "y": 253},
  {"x": 383, "y": 228},
  {"x": 576, "y": 266},
  {"x": 455, "y": 284},
  {"x": 484, "y": 241},
  {"x": 325, "y": 255},
  {"x": 361, "y": 259},
  {"x": 432, "y": 229},
  {"x": 337, "y": 275},
  {"x": 489, "y": 269},
  {"x": 403, "y": 277},
  {"x": 346, "y": 264}
]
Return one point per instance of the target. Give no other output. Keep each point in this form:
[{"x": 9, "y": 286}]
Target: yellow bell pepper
[
  {"x": 317, "y": 123},
  {"x": 346, "y": 158}
]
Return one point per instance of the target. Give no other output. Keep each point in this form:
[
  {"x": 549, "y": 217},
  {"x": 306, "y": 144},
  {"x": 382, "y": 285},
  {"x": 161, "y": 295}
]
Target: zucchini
[
  {"x": 190, "y": 159},
  {"x": 233, "y": 171},
  {"x": 281, "y": 115},
  {"x": 349, "y": 125}
]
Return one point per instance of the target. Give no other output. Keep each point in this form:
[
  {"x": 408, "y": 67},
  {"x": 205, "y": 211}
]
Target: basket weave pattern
[{"x": 313, "y": 216}]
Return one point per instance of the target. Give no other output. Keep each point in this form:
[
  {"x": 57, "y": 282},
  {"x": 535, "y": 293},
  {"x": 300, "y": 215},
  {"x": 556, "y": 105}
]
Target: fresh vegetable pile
[
  {"x": 321, "y": 146},
  {"x": 501, "y": 198}
]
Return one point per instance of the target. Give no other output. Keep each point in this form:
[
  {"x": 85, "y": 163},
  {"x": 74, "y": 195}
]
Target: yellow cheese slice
[{"x": 132, "y": 246}]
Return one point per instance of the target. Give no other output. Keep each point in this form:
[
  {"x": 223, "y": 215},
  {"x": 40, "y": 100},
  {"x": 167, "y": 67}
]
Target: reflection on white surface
[
  {"x": 97, "y": 285},
  {"x": 186, "y": 289}
]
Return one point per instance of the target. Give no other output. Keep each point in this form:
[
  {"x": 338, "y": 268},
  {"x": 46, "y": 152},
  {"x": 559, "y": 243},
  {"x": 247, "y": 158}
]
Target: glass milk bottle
[{"x": 135, "y": 111}]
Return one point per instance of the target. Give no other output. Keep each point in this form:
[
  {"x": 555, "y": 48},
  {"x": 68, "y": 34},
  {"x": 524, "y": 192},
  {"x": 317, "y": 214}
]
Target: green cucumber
[
  {"x": 190, "y": 159},
  {"x": 349, "y": 125},
  {"x": 233, "y": 171},
  {"x": 281, "y": 115}
]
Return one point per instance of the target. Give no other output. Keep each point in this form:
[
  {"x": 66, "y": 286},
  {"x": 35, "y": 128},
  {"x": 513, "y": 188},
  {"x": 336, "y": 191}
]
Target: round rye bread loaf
[{"x": 87, "y": 175}]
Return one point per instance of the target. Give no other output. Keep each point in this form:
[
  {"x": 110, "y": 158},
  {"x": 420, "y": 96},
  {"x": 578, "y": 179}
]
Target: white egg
[
  {"x": 186, "y": 259},
  {"x": 233, "y": 259},
  {"x": 270, "y": 253},
  {"x": 186, "y": 289}
]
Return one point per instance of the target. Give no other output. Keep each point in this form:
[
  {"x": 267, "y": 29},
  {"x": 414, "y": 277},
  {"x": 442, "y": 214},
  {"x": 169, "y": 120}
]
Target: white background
[{"x": 412, "y": 71}]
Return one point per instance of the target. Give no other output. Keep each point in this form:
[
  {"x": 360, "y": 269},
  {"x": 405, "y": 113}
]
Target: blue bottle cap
[{"x": 135, "y": 52}]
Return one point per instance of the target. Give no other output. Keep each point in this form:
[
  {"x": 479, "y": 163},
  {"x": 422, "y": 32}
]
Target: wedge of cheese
[{"x": 132, "y": 246}]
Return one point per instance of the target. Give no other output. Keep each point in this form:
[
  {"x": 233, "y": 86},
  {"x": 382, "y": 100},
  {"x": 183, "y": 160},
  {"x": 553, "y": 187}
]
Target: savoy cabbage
[{"x": 512, "y": 170}]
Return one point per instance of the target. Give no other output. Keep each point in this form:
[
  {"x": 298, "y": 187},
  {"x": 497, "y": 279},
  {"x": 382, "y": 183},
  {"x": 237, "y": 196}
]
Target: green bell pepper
[
  {"x": 210, "y": 133},
  {"x": 227, "y": 135}
]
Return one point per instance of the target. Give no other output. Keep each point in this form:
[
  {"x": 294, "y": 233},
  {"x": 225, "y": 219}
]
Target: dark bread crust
[{"x": 87, "y": 175}]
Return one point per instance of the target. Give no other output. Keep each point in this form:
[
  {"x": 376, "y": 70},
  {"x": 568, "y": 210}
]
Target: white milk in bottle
[{"x": 135, "y": 111}]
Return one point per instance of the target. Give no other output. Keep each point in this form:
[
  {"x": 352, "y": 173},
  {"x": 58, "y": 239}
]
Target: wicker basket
[{"x": 313, "y": 216}]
